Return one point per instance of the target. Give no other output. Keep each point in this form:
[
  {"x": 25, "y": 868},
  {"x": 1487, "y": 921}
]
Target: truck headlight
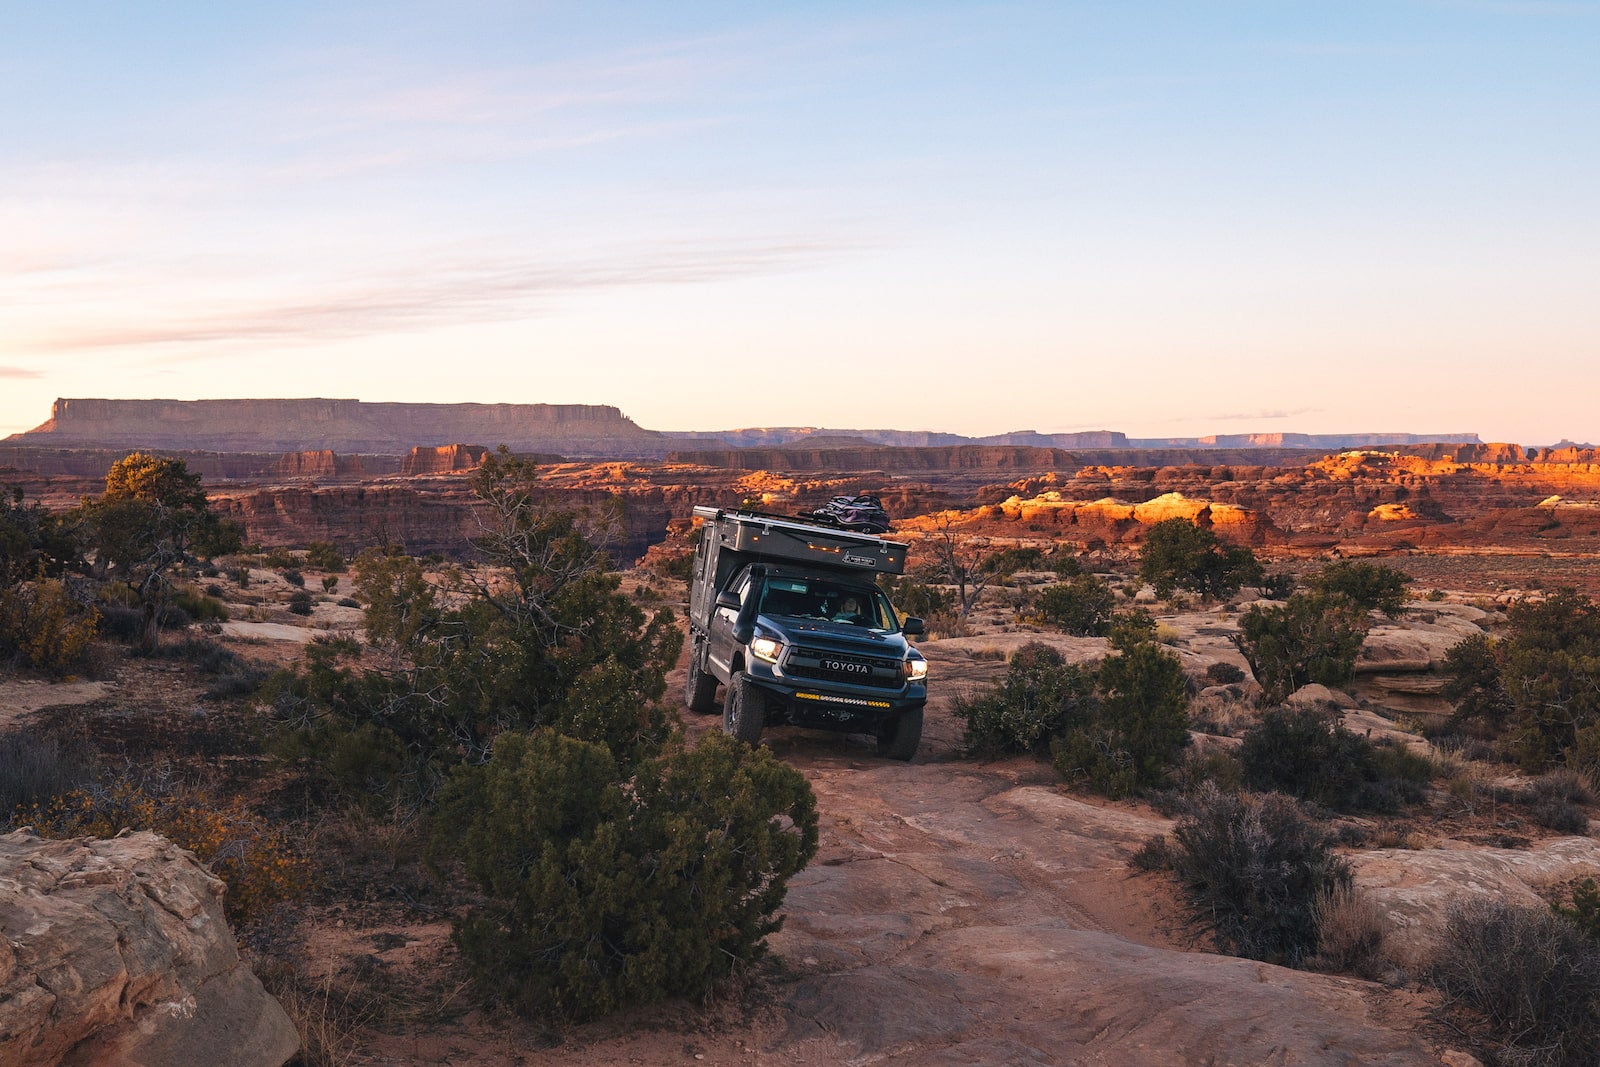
[
  {"x": 916, "y": 668},
  {"x": 767, "y": 648}
]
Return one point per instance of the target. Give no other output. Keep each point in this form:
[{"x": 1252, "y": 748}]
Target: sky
[{"x": 1169, "y": 219}]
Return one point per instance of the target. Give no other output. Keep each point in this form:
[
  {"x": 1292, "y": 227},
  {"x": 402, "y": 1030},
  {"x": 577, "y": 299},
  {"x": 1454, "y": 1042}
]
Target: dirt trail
[{"x": 971, "y": 913}]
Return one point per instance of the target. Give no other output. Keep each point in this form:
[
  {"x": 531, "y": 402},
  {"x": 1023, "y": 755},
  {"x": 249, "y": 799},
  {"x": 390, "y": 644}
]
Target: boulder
[
  {"x": 1416, "y": 888},
  {"x": 117, "y": 952}
]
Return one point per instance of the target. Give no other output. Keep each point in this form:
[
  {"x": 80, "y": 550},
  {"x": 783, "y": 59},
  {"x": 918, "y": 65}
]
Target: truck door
[{"x": 722, "y": 620}]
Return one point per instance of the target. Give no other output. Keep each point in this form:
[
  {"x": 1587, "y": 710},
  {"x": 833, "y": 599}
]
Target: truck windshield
[{"x": 814, "y": 598}]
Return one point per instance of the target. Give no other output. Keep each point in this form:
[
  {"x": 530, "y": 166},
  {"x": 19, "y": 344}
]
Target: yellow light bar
[{"x": 843, "y": 700}]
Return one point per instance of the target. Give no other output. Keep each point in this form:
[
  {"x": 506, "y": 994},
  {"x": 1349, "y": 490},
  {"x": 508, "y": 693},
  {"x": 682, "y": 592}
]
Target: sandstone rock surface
[{"x": 117, "y": 952}]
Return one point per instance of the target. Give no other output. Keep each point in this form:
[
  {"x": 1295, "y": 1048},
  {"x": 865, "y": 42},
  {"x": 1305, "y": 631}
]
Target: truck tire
[
  {"x": 700, "y": 692},
  {"x": 898, "y": 737},
  {"x": 744, "y": 710}
]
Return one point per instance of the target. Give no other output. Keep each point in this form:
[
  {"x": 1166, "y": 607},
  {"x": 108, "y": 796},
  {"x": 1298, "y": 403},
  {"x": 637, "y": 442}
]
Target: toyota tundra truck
[{"x": 787, "y": 616}]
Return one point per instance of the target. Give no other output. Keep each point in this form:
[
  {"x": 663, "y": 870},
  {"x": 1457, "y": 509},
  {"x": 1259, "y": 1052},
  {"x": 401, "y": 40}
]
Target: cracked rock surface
[{"x": 117, "y": 952}]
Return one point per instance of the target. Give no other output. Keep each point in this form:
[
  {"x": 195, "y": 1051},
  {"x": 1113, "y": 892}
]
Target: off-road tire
[
  {"x": 744, "y": 710},
  {"x": 898, "y": 737},
  {"x": 700, "y": 690}
]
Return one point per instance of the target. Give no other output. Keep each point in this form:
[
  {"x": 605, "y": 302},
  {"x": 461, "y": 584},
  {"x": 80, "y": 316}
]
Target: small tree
[
  {"x": 963, "y": 562},
  {"x": 1312, "y": 637},
  {"x": 1084, "y": 606},
  {"x": 1179, "y": 554},
  {"x": 1138, "y": 727},
  {"x": 1370, "y": 586},
  {"x": 151, "y": 519},
  {"x": 607, "y": 890}
]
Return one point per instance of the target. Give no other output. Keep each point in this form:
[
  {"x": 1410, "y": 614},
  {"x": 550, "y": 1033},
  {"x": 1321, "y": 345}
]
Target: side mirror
[
  {"x": 912, "y": 626},
  {"x": 728, "y": 599}
]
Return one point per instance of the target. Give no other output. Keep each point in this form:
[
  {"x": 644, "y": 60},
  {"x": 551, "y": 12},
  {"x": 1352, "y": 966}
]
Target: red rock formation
[
  {"x": 321, "y": 464},
  {"x": 443, "y": 459}
]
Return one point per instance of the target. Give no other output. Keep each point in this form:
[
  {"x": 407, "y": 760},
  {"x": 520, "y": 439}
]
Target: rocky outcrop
[
  {"x": 339, "y": 425},
  {"x": 117, "y": 952},
  {"x": 324, "y": 463},
  {"x": 442, "y": 459},
  {"x": 797, "y": 457}
]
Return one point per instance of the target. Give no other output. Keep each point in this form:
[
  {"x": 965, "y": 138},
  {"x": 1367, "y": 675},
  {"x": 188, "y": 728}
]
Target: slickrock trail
[{"x": 967, "y": 913}]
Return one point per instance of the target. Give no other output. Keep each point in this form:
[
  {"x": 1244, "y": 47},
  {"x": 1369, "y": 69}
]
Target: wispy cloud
[
  {"x": 19, "y": 372},
  {"x": 1261, "y": 416},
  {"x": 448, "y": 293}
]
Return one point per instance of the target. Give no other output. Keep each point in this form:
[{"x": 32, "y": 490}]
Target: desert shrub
[
  {"x": 1313, "y": 637},
  {"x": 257, "y": 860},
  {"x": 324, "y": 556},
  {"x": 1038, "y": 698},
  {"x": 1216, "y": 765},
  {"x": 1584, "y": 911},
  {"x": 1132, "y": 626},
  {"x": 1178, "y": 554},
  {"x": 300, "y": 602},
  {"x": 1279, "y": 585},
  {"x": 1530, "y": 975},
  {"x": 199, "y": 607},
  {"x": 215, "y": 590},
  {"x": 348, "y": 602},
  {"x": 1473, "y": 684},
  {"x": 1136, "y": 729},
  {"x": 1006, "y": 562},
  {"x": 1221, "y": 673},
  {"x": 294, "y": 577},
  {"x": 911, "y": 597},
  {"x": 330, "y": 582},
  {"x": 1308, "y": 754},
  {"x": 1252, "y": 870},
  {"x": 1369, "y": 586},
  {"x": 44, "y": 626},
  {"x": 1082, "y": 606},
  {"x": 120, "y": 623},
  {"x": 34, "y": 769},
  {"x": 1554, "y": 801},
  {"x": 606, "y": 892},
  {"x": 1065, "y": 563},
  {"x": 1350, "y": 932},
  {"x": 1550, "y": 670},
  {"x": 240, "y": 576},
  {"x": 278, "y": 559}
]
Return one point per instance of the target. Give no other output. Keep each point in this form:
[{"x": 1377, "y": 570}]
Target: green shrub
[
  {"x": 1178, "y": 554},
  {"x": 1038, "y": 698},
  {"x": 300, "y": 602},
  {"x": 605, "y": 892},
  {"x": 1252, "y": 870},
  {"x": 1370, "y": 586},
  {"x": 1132, "y": 626},
  {"x": 325, "y": 556},
  {"x": 294, "y": 577},
  {"x": 1222, "y": 673},
  {"x": 1551, "y": 675},
  {"x": 1082, "y": 606},
  {"x": 911, "y": 597},
  {"x": 1137, "y": 728},
  {"x": 1529, "y": 974},
  {"x": 199, "y": 607},
  {"x": 1065, "y": 563},
  {"x": 1313, "y": 637},
  {"x": 1473, "y": 684},
  {"x": 1584, "y": 911},
  {"x": 1308, "y": 754},
  {"x": 330, "y": 582}
]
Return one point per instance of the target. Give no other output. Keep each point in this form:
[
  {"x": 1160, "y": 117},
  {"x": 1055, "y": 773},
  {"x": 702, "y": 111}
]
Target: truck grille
[{"x": 845, "y": 667}]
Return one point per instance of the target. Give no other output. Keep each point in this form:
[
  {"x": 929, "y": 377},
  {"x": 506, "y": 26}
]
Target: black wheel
[
  {"x": 744, "y": 710},
  {"x": 898, "y": 737},
  {"x": 700, "y": 692}
]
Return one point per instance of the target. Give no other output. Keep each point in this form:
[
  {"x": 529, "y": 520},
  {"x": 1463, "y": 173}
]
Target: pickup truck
[{"x": 786, "y": 614}]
